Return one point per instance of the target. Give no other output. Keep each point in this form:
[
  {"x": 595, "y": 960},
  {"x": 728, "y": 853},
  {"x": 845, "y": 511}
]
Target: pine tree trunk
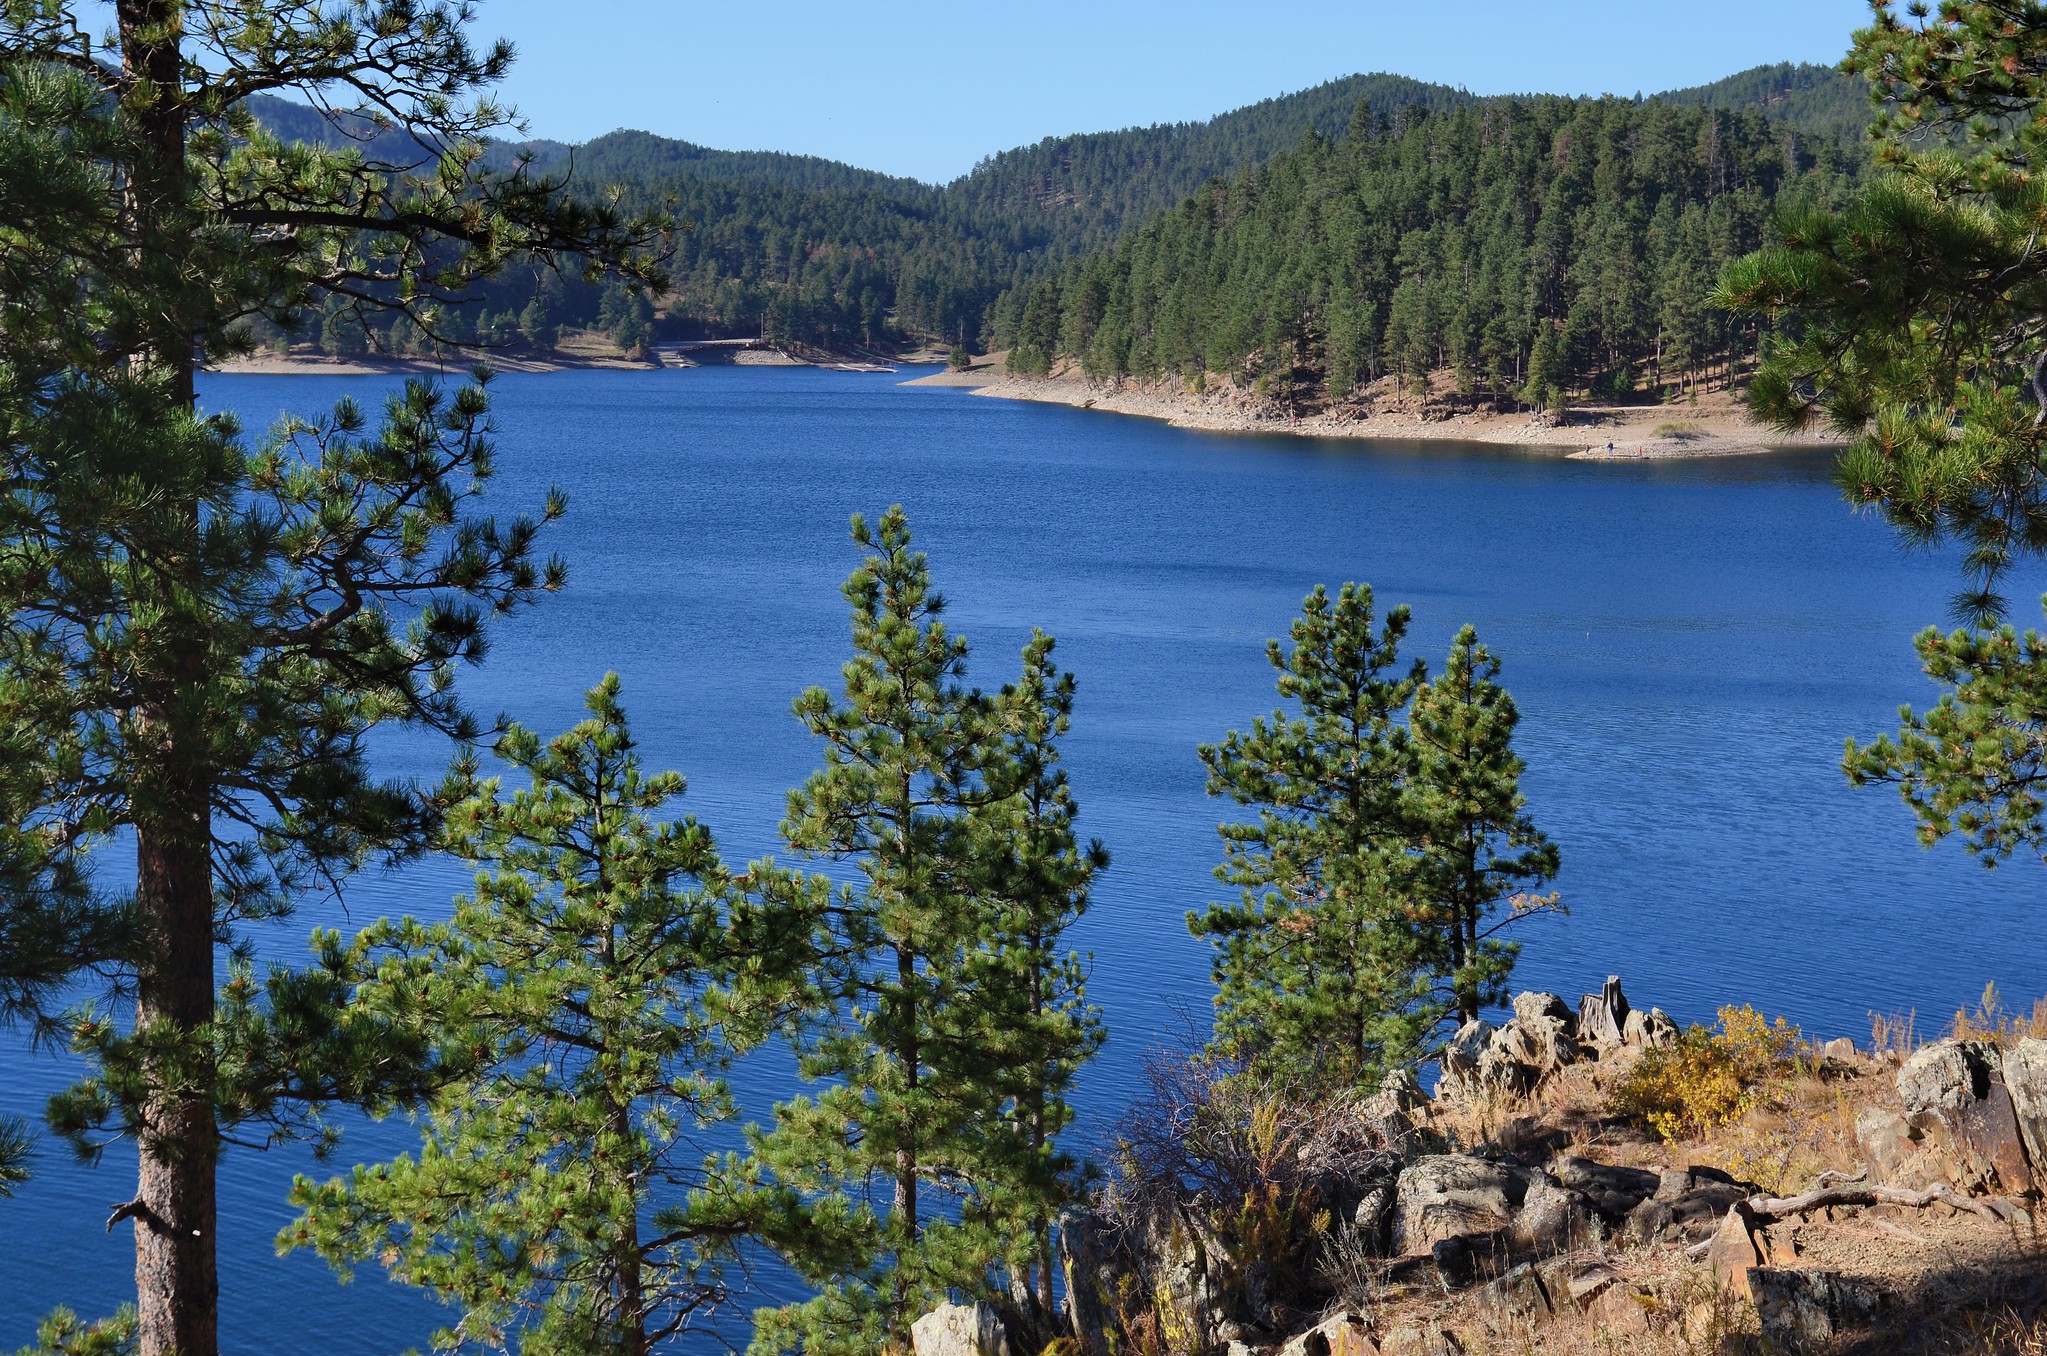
[
  {"x": 632, "y": 1293},
  {"x": 626, "y": 1259},
  {"x": 177, "y": 1284},
  {"x": 177, "y": 1281},
  {"x": 905, "y": 1204},
  {"x": 1046, "y": 1306}
]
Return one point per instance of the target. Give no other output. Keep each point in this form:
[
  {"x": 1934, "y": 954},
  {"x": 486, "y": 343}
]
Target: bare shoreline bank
[
  {"x": 300, "y": 365},
  {"x": 1717, "y": 428}
]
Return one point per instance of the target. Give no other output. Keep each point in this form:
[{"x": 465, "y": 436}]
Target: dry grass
[
  {"x": 1951, "y": 1284},
  {"x": 1992, "y": 1021},
  {"x": 1894, "y": 1033}
]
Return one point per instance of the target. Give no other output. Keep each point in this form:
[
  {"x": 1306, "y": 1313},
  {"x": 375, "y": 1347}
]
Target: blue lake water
[{"x": 1689, "y": 644}]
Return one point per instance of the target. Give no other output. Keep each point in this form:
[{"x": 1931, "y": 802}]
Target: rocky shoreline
[
  {"x": 1503, "y": 1213},
  {"x": 1601, "y": 433}
]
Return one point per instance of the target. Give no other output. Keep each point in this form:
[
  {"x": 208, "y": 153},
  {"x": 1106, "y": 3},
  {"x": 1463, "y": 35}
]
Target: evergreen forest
[
  {"x": 812, "y": 252},
  {"x": 1530, "y": 247}
]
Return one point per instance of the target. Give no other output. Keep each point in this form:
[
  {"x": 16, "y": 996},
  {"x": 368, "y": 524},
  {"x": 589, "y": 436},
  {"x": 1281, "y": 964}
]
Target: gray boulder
[
  {"x": 2025, "y": 1078},
  {"x": 1543, "y": 1042},
  {"x": 1890, "y": 1146},
  {"x": 1444, "y": 1196},
  {"x": 1651, "y": 1221},
  {"x": 1460, "y": 1060},
  {"x": 1368, "y": 1221},
  {"x": 1501, "y": 1074},
  {"x": 1529, "y": 1006},
  {"x": 1954, "y": 1091},
  {"x": 1604, "y": 1179},
  {"x": 961, "y": 1330},
  {"x": 1345, "y": 1334},
  {"x": 1520, "y": 1294},
  {"x": 1393, "y": 1109},
  {"x": 1587, "y": 1282},
  {"x": 1940, "y": 1080},
  {"x": 1651, "y": 1030},
  {"x": 1399, "y": 1091},
  {"x": 1699, "y": 1211},
  {"x": 1551, "y": 1220}
]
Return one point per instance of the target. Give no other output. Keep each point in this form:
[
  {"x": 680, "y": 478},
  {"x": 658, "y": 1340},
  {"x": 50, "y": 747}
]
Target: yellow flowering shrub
[{"x": 1710, "y": 1078}]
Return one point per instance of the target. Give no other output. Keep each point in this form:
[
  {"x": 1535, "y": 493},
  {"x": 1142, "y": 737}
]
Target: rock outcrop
[
  {"x": 1510, "y": 1220},
  {"x": 1485, "y": 1064},
  {"x": 1343, "y": 1335},
  {"x": 1084, "y": 1266},
  {"x": 1956, "y": 1097},
  {"x": 1805, "y": 1309},
  {"x": 2025, "y": 1079},
  {"x": 961, "y": 1330},
  {"x": 1446, "y": 1196}
]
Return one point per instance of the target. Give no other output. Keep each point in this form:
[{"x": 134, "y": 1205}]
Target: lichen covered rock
[{"x": 1444, "y": 1196}]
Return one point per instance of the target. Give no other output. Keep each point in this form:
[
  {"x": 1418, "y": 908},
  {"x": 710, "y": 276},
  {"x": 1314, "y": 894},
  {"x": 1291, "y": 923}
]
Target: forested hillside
[
  {"x": 1090, "y": 188},
  {"x": 1532, "y": 246},
  {"x": 1816, "y": 101},
  {"x": 823, "y": 253}
]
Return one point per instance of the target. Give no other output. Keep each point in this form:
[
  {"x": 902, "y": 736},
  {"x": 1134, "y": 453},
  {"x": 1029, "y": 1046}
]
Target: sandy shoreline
[{"x": 1717, "y": 427}]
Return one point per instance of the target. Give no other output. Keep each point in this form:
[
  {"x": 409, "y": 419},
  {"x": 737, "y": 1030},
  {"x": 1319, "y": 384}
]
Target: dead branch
[
  {"x": 1767, "y": 1208},
  {"x": 135, "y": 1210}
]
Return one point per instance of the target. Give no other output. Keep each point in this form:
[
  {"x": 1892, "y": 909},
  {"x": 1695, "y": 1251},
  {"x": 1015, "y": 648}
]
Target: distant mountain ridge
[
  {"x": 832, "y": 254},
  {"x": 1105, "y": 182},
  {"x": 1108, "y": 178}
]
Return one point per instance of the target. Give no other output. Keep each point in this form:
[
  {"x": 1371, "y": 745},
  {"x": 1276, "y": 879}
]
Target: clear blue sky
[{"x": 926, "y": 89}]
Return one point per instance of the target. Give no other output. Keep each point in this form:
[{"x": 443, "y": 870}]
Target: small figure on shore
[{"x": 1609, "y": 449}]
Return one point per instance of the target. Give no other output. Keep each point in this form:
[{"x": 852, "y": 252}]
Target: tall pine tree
[
  {"x": 1477, "y": 847},
  {"x": 1320, "y": 962},
  {"x": 1038, "y": 878},
  {"x": 201, "y": 634},
  {"x": 602, "y": 978},
  {"x": 1914, "y": 325},
  {"x": 1390, "y": 831},
  {"x": 954, "y": 1023}
]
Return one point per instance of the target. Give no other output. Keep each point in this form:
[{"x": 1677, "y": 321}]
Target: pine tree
[
  {"x": 1914, "y": 326},
  {"x": 602, "y": 978},
  {"x": 536, "y": 326},
  {"x": 954, "y": 1023},
  {"x": 1038, "y": 881},
  {"x": 200, "y": 634},
  {"x": 1546, "y": 371},
  {"x": 17, "y": 1146},
  {"x": 1918, "y": 306},
  {"x": 1477, "y": 847},
  {"x": 1320, "y": 964},
  {"x": 1974, "y": 763}
]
